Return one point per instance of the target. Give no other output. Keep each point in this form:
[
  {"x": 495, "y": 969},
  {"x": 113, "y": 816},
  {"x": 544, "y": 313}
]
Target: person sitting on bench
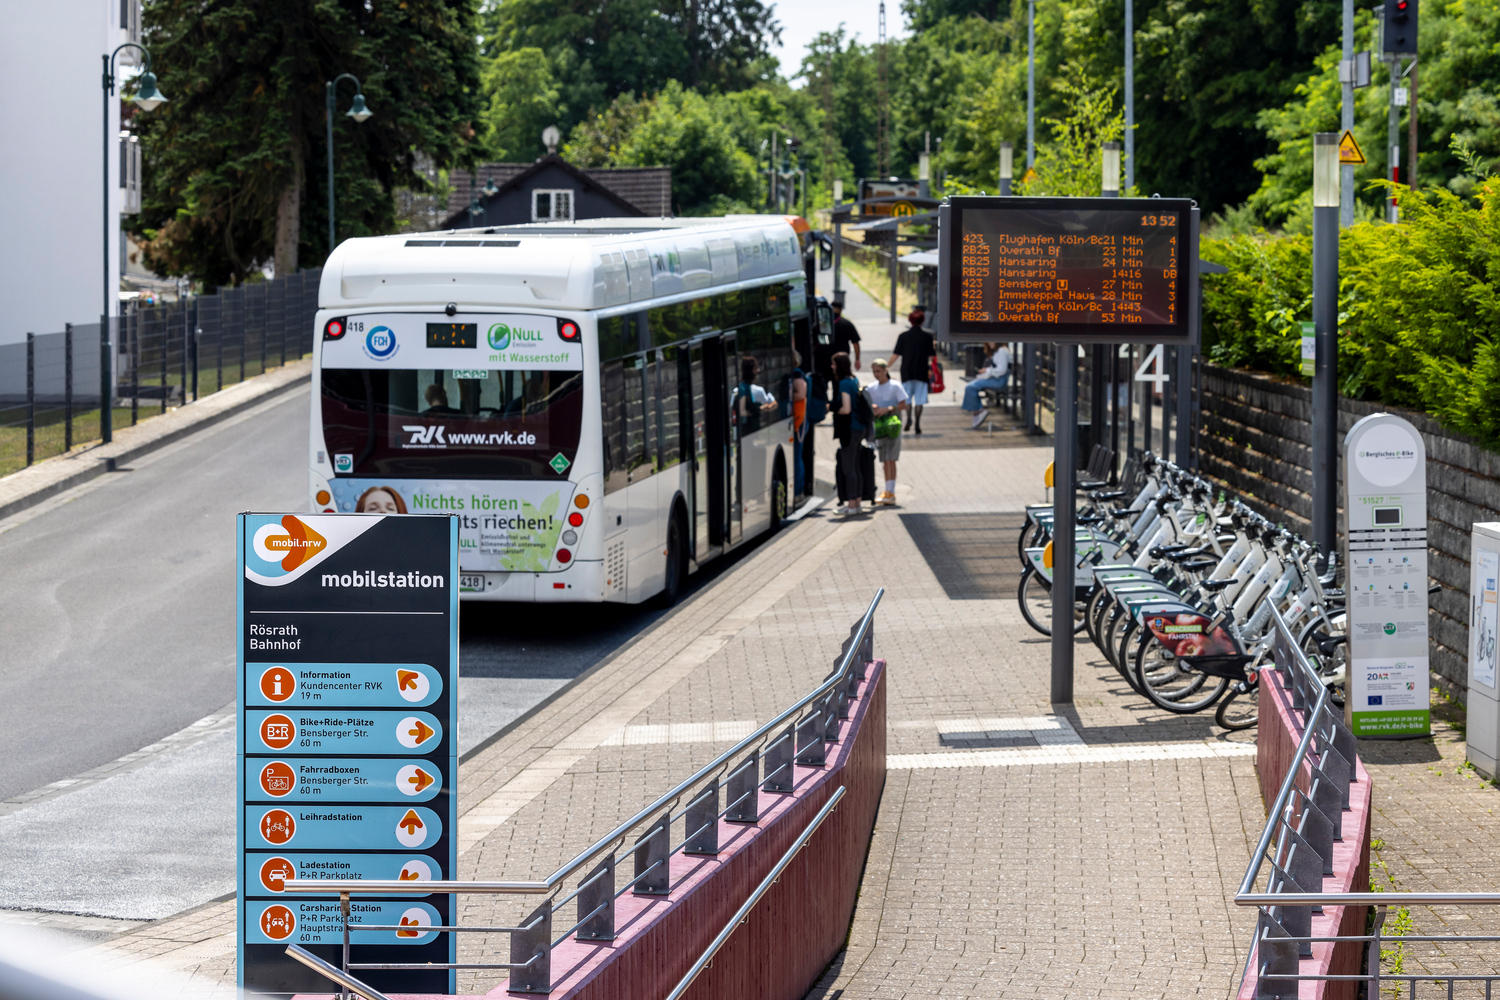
[{"x": 995, "y": 375}]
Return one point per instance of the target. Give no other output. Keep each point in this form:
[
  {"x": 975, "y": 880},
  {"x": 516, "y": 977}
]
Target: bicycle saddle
[
  {"x": 1214, "y": 586},
  {"x": 1197, "y": 565}
]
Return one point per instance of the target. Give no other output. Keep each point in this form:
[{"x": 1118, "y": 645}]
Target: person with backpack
[
  {"x": 849, "y": 429},
  {"x": 915, "y": 352},
  {"x": 887, "y": 402}
]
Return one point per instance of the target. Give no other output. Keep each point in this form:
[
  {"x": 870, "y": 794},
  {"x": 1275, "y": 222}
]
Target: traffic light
[{"x": 1401, "y": 27}]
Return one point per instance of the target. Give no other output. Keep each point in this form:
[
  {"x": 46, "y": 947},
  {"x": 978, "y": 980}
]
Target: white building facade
[{"x": 56, "y": 229}]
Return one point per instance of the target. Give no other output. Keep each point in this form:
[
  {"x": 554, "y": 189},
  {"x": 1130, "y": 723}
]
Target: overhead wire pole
[
  {"x": 1129, "y": 94},
  {"x": 882, "y": 100},
  {"x": 1030, "y": 79},
  {"x": 1346, "y": 117}
]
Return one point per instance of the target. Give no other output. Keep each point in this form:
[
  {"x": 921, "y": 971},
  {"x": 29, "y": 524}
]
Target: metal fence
[
  {"x": 164, "y": 355},
  {"x": 761, "y": 762},
  {"x": 1303, "y": 826}
]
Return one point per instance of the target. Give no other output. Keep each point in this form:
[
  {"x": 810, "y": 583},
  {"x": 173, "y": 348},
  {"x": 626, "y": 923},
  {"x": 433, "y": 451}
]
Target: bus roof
[{"x": 591, "y": 264}]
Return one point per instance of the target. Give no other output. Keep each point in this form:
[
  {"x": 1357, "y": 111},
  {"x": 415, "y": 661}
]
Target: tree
[
  {"x": 234, "y": 159},
  {"x": 522, "y": 98},
  {"x": 1069, "y": 164}
]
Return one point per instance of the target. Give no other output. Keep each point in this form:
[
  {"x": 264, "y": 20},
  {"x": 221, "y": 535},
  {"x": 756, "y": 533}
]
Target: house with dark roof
[{"x": 552, "y": 189}]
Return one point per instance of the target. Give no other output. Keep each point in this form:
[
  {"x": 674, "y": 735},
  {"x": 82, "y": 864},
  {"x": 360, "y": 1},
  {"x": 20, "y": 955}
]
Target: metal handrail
[
  {"x": 760, "y": 890},
  {"x": 856, "y": 645},
  {"x": 334, "y": 973},
  {"x": 1273, "y": 815}
]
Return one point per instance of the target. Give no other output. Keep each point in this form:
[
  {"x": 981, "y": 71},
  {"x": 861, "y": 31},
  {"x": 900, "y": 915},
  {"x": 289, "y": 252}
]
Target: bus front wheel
[{"x": 676, "y": 570}]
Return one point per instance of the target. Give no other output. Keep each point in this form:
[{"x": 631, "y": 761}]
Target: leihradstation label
[{"x": 348, "y": 746}]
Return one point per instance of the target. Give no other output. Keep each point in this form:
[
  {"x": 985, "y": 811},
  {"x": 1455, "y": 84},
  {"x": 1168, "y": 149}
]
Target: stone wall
[{"x": 1255, "y": 438}]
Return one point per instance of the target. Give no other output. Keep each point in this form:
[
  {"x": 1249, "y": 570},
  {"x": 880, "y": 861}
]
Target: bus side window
[
  {"x": 612, "y": 414},
  {"x": 668, "y": 409},
  {"x": 635, "y": 416}
]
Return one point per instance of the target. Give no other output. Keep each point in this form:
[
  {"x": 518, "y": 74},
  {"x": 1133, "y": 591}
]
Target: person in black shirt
[
  {"x": 915, "y": 349},
  {"x": 845, "y": 336}
]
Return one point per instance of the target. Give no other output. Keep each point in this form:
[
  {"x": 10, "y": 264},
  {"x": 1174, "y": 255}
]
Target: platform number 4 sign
[{"x": 1158, "y": 374}]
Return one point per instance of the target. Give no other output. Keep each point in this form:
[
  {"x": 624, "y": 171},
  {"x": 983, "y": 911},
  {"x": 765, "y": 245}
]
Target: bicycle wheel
[
  {"x": 1240, "y": 708},
  {"x": 1035, "y": 597},
  {"x": 1171, "y": 684},
  {"x": 1093, "y": 612},
  {"x": 1126, "y": 635}
]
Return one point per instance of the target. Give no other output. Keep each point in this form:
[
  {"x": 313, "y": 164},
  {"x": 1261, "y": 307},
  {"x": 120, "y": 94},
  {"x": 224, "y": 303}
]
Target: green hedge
[{"x": 1419, "y": 311}]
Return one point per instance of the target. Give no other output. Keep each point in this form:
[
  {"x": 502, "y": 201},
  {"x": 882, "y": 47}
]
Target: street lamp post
[
  {"x": 147, "y": 98},
  {"x": 359, "y": 113}
]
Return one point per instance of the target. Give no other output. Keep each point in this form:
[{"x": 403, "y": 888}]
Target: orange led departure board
[{"x": 1053, "y": 269}]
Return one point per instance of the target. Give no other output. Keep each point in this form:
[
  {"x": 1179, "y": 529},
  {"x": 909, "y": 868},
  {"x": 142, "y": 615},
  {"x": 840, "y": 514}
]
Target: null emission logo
[
  {"x": 290, "y": 543},
  {"x": 380, "y": 343},
  {"x": 500, "y": 337}
]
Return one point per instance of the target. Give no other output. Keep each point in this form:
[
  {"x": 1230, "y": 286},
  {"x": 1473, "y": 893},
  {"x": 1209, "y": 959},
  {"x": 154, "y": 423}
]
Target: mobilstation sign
[
  {"x": 1385, "y": 510},
  {"x": 347, "y": 742}
]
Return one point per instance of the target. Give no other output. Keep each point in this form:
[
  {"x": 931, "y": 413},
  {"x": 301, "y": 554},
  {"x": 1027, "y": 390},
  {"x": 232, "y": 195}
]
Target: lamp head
[
  {"x": 490, "y": 187},
  {"x": 358, "y": 111},
  {"x": 148, "y": 97}
]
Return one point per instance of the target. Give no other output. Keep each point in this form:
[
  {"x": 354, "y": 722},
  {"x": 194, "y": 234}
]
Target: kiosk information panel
[
  {"x": 348, "y": 742},
  {"x": 1068, "y": 269},
  {"x": 1385, "y": 507}
]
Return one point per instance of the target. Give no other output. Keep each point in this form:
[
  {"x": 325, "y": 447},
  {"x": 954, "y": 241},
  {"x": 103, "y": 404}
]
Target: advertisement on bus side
[{"x": 509, "y": 526}]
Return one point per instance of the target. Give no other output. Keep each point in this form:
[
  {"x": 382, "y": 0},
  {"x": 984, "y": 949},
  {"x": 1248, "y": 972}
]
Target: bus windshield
[{"x": 456, "y": 423}]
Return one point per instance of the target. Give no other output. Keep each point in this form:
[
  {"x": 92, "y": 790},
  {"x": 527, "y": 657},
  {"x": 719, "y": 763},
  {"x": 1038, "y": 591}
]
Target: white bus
[{"x": 575, "y": 392}]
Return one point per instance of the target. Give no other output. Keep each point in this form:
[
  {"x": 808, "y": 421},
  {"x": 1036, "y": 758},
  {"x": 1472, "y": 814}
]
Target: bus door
[
  {"x": 695, "y": 436},
  {"x": 733, "y": 469},
  {"x": 721, "y": 447}
]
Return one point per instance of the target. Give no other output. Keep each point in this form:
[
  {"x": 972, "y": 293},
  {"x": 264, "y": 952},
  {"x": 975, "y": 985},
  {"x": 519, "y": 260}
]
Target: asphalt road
[{"x": 117, "y": 631}]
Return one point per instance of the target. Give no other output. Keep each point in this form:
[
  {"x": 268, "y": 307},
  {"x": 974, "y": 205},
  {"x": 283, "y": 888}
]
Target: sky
[{"x": 801, "y": 20}]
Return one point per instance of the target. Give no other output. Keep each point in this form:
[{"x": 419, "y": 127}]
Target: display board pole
[
  {"x": 1028, "y": 386},
  {"x": 1064, "y": 479}
]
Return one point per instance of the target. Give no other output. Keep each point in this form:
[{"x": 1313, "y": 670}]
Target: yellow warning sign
[
  {"x": 1029, "y": 176},
  {"x": 1350, "y": 155}
]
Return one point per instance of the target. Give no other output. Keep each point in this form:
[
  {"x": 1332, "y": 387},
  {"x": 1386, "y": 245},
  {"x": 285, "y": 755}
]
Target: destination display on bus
[{"x": 1054, "y": 269}]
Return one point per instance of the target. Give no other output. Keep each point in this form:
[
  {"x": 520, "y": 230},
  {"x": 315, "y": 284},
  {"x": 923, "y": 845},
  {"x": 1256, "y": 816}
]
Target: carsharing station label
[{"x": 348, "y": 748}]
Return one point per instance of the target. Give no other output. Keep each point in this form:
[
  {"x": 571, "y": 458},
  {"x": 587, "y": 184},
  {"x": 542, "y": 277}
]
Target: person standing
[
  {"x": 887, "y": 402},
  {"x": 915, "y": 349},
  {"x": 995, "y": 375},
  {"x": 850, "y": 432},
  {"x": 845, "y": 336}
]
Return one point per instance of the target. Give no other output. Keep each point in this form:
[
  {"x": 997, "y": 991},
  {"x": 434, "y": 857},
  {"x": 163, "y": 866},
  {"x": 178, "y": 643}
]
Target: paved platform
[{"x": 1022, "y": 848}]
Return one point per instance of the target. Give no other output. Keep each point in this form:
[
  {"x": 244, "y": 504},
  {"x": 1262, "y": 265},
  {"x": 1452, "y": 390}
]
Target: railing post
[
  {"x": 702, "y": 821},
  {"x": 598, "y": 893},
  {"x": 779, "y": 754},
  {"x": 134, "y": 328},
  {"x": 811, "y": 732},
  {"x": 161, "y": 313},
  {"x": 30, "y": 398},
  {"x": 1374, "y": 990},
  {"x": 344, "y": 914},
  {"x": 67, "y": 387},
  {"x": 531, "y": 947},
  {"x": 742, "y": 789},
  {"x": 652, "y": 868}
]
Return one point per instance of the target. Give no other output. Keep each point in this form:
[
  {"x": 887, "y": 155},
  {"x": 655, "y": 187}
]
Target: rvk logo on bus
[{"x": 380, "y": 343}]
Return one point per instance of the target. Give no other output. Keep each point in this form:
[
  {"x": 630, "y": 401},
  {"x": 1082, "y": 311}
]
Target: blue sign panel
[
  {"x": 374, "y": 731},
  {"x": 348, "y": 744},
  {"x": 270, "y": 871},
  {"x": 315, "y": 921},
  {"x": 299, "y": 685},
  {"x": 359, "y": 828},
  {"x": 340, "y": 779}
]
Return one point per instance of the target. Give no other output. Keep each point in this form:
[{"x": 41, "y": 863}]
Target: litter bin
[{"x": 1483, "y": 731}]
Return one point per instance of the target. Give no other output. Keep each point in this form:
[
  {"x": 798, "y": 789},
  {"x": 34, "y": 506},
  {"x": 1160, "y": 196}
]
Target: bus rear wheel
[{"x": 778, "y": 499}]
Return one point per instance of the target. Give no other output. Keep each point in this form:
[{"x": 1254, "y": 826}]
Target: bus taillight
[
  {"x": 333, "y": 329},
  {"x": 568, "y": 330},
  {"x": 575, "y": 519},
  {"x": 564, "y": 556}
]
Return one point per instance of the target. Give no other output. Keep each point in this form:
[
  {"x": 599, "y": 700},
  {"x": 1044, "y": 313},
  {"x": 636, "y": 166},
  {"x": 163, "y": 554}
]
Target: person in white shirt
[
  {"x": 886, "y": 397},
  {"x": 995, "y": 375}
]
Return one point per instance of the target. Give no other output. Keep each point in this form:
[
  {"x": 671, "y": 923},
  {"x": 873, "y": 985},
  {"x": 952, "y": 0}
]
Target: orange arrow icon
[
  {"x": 407, "y": 679},
  {"x": 412, "y": 822},
  {"x": 422, "y": 733},
  {"x": 409, "y": 923},
  {"x": 407, "y": 875},
  {"x": 421, "y": 779}
]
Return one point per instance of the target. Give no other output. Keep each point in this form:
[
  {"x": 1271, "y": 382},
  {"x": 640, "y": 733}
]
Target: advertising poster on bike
[
  {"x": 1385, "y": 507},
  {"x": 347, "y": 743}
]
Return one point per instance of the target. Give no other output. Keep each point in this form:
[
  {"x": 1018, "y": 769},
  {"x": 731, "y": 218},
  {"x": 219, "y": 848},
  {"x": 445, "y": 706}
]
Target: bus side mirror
[{"x": 825, "y": 254}]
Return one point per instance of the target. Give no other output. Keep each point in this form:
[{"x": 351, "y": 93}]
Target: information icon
[
  {"x": 278, "y": 684},
  {"x": 278, "y": 922},
  {"x": 279, "y": 779},
  {"x": 277, "y": 826},
  {"x": 278, "y": 732}
]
